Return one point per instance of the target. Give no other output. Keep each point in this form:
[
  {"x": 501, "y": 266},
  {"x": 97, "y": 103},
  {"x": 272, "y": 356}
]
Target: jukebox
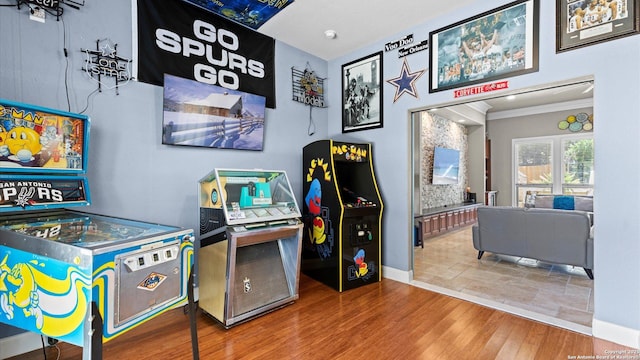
[
  {"x": 250, "y": 238},
  {"x": 73, "y": 276},
  {"x": 342, "y": 215}
]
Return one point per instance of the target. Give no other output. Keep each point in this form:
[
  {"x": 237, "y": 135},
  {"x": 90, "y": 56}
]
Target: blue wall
[
  {"x": 614, "y": 66},
  {"x": 132, "y": 175}
]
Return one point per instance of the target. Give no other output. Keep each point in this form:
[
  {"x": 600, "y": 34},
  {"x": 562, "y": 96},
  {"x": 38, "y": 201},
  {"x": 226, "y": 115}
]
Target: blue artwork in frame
[{"x": 250, "y": 13}]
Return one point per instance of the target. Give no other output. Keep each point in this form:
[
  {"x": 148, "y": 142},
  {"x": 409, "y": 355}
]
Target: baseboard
[
  {"x": 397, "y": 275},
  {"x": 616, "y": 333},
  {"x": 19, "y": 344}
]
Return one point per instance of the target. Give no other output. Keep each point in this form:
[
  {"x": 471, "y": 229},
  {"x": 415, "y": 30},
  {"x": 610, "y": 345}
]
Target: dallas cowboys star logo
[{"x": 406, "y": 82}]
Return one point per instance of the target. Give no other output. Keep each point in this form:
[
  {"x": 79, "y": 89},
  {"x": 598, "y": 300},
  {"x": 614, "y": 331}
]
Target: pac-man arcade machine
[{"x": 342, "y": 215}]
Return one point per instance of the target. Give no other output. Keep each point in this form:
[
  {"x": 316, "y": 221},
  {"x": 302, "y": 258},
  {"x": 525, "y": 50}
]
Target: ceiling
[
  {"x": 302, "y": 24},
  {"x": 547, "y": 96}
]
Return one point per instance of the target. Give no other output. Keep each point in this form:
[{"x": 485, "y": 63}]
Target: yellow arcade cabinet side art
[{"x": 342, "y": 215}]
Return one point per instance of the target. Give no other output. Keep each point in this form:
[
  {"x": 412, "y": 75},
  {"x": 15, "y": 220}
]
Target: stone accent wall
[{"x": 438, "y": 131}]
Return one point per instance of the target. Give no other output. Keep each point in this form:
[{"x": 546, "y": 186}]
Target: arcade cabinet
[{"x": 342, "y": 215}]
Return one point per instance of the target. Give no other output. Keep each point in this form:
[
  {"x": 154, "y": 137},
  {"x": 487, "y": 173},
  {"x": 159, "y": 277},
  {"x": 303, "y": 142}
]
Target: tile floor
[{"x": 541, "y": 291}]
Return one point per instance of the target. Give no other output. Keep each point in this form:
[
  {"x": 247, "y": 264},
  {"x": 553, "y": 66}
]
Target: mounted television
[{"x": 446, "y": 165}]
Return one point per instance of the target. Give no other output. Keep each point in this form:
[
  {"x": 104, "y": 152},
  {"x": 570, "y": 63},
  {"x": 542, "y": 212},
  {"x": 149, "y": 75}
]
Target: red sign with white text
[{"x": 474, "y": 90}]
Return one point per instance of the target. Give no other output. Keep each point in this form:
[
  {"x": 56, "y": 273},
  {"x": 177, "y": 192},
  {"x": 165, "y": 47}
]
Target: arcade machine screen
[{"x": 353, "y": 178}]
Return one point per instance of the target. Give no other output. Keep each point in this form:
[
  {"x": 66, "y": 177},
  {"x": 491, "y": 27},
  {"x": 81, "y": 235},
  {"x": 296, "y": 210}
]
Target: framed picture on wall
[
  {"x": 362, "y": 93},
  {"x": 584, "y": 22},
  {"x": 496, "y": 44}
]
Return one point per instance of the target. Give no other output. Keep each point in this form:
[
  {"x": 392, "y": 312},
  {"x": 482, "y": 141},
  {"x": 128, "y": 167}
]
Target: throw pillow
[
  {"x": 544, "y": 201},
  {"x": 563, "y": 203},
  {"x": 583, "y": 203}
]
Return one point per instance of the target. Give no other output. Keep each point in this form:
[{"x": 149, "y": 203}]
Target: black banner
[
  {"x": 35, "y": 192},
  {"x": 181, "y": 39}
]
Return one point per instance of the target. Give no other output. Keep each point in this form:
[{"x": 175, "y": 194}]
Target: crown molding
[{"x": 541, "y": 109}]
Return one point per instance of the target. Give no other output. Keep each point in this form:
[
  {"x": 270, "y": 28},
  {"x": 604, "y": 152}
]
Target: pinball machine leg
[
  {"x": 192, "y": 318},
  {"x": 92, "y": 349}
]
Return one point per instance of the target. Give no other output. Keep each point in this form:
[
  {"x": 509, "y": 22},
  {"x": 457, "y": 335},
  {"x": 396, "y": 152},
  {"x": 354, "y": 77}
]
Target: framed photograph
[
  {"x": 362, "y": 93},
  {"x": 205, "y": 115},
  {"x": 499, "y": 43},
  {"x": 585, "y": 22}
]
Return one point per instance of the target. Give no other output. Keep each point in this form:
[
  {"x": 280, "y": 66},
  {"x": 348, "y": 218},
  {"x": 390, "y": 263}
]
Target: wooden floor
[{"x": 386, "y": 320}]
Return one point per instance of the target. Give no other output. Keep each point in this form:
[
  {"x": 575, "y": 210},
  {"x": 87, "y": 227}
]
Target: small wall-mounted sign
[
  {"x": 409, "y": 50},
  {"x": 51, "y": 4},
  {"x": 104, "y": 63},
  {"x": 53, "y": 7},
  {"x": 308, "y": 88},
  {"x": 473, "y": 90},
  {"x": 406, "y": 40}
]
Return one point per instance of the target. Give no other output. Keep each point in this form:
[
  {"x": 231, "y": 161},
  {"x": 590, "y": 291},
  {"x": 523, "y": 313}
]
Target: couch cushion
[
  {"x": 580, "y": 202},
  {"x": 583, "y": 203},
  {"x": 501, "y": 230},
  {"x": 544, "y": 201}
]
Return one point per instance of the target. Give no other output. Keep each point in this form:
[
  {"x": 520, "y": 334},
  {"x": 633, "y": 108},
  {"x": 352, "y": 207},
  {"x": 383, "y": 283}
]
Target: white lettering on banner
[
  {"x": 208, "y": 75},
  {"x": 8, "y": 193},
  {"x": 206, "y": 35},
  {"x": 207, "y": 32},
  {"x": 44, "y": 193}
]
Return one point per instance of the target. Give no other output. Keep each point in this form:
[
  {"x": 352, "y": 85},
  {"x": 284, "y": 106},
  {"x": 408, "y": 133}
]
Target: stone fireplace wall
[{"x": 437, "y": 131}]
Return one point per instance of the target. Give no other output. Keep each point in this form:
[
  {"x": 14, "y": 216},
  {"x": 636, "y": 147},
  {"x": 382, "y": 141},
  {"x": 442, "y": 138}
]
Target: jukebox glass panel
[{"x": 249, "y": 196}]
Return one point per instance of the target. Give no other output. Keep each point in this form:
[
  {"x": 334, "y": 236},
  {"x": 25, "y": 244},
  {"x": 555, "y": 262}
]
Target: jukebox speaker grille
[
  {"x": 260, "y": 277},
  {"x": 211, "y": 219}
]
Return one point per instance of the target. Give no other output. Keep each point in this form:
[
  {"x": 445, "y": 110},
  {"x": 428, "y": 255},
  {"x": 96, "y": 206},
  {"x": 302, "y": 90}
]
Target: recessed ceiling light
[
  {"x": 331, "y": 34},
  {"x": 511, "y": 97},
  {"x": 461, "y": 120}
]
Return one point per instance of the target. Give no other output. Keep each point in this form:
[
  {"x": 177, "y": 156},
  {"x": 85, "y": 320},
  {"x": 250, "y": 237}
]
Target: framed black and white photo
[
  {"x": 496, "y": 44},
  {"x": 362, "y": 93},
  {"x": 585, "y": 22}
]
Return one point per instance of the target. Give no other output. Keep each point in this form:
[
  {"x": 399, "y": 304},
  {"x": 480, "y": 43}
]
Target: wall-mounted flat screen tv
[
  {"x": 199, "y": 114},
  {"x": 446, "y": 166}
]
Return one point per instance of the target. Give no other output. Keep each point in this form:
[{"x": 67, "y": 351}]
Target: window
[{"x": 553, "y": 165}]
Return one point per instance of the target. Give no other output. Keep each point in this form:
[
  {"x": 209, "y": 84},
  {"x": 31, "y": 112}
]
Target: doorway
[{"x": 555, "y": 294}]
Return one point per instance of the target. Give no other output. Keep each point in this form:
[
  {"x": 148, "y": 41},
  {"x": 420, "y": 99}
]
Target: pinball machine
[{"x": 66, "y": 274}]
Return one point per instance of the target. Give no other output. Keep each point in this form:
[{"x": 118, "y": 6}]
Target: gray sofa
[{"x": 549, "y": 235}]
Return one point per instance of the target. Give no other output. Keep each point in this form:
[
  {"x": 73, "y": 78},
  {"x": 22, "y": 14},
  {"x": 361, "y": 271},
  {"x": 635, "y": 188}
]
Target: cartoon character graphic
[
  {"x": 51, "y": 300},
  {"x": 313, "y": 200},
  {"x": 317, "y": 232},
  {"x": 4, "y": 150},
  {"x": 18, "y": 290},
  {"x": 22, "y": 142},
  {"x": 3, "y": 135},
  {"x": 362, "y": 268},
  {"x": 309, "y": 82}
]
